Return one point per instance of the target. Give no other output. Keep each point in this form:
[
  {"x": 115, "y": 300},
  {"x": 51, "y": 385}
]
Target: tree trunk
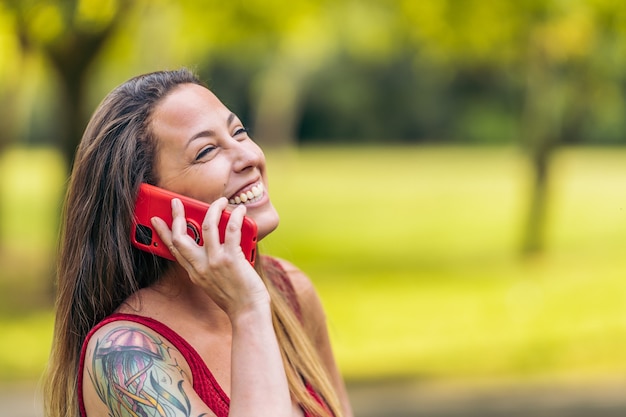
[
  {"x": 277, "y": 105},
  {"x": 71, "y": 57},
  {"x": 536, "y": 222},
  {"x": 542, "y": 133}
]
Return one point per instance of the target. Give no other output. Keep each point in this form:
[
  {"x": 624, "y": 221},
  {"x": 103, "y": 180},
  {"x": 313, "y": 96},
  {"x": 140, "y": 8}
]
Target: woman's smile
[{"x": 249, "y": 195}]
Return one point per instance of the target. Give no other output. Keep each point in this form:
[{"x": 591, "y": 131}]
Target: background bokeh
[{"x": 450, "y": 173}]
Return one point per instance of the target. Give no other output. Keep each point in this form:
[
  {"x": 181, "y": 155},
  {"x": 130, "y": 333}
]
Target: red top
[{"x": 204, "y": 383}]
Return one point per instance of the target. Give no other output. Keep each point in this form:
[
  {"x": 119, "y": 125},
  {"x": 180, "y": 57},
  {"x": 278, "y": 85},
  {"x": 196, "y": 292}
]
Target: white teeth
[{"x": 249, "y": 196}]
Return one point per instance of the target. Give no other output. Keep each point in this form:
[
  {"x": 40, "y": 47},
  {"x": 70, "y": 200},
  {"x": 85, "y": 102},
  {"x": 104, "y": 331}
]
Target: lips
[{"x": 248, "y": 195}]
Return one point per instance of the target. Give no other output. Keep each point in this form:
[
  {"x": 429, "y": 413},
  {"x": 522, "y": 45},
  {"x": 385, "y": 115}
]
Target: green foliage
[{"x": 340, "y": 71}]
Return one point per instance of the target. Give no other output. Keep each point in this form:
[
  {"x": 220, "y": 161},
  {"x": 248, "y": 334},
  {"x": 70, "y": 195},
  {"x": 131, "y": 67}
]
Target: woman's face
[{"x": 204, "y": 152}]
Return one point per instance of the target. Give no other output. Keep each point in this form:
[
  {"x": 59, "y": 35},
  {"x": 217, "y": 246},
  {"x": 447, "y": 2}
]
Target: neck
[{"x": 175, "y": 297}]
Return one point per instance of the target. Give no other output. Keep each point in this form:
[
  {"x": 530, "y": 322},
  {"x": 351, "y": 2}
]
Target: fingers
[
  {"x": 210, "y": 225},
  {"x": 162, "y": 230},
  {"x": 175, "y": 238},
  {"x": 232, "y": 239},
  {"x": 184, "y": 248},
  {"x": 179, "y": 225}
]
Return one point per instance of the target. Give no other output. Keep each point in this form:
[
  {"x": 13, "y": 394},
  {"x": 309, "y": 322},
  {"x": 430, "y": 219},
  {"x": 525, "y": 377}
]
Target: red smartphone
[{"x": 155, "y": 201}]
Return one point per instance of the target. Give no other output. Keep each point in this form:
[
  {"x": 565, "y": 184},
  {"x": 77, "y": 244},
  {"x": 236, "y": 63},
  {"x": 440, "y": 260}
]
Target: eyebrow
[{"x": 210, "y": 132}]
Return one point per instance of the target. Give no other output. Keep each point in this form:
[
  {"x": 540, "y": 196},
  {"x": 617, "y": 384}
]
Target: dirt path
[
  {"x": 20, "y": 401},
  {"x": 404, "y": 399}
]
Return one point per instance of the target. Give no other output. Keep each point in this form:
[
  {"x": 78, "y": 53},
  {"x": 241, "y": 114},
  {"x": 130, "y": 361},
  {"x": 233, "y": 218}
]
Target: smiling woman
[{"x": 206, "y": 334}]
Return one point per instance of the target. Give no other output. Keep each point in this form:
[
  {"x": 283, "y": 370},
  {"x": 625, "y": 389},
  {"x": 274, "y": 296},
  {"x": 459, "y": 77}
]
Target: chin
[{"x": 266, "y": 222}]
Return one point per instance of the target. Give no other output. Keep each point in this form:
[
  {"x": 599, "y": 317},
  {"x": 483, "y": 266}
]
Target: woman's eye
[
  {"x": 204, "y": 152},
  {"x": 240, "y": 131}
]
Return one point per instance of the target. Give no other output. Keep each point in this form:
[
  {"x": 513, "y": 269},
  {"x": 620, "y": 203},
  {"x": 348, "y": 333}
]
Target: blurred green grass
[{"x": 414, "y": 251}]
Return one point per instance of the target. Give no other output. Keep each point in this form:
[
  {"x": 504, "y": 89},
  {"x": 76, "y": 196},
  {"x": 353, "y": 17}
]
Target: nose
[{"x": 247, "y": 154}]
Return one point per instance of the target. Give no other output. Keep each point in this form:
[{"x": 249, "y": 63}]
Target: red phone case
[{"x": 154, "y": 201}]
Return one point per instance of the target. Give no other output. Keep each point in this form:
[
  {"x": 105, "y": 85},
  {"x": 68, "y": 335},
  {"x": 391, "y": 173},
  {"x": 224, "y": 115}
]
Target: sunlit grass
[
  {"x": 415, "y": 254},
  {"x": 24, "y": 345},
  {"x": 31, "y": 181},
  {"x": 462, "y": 323}
]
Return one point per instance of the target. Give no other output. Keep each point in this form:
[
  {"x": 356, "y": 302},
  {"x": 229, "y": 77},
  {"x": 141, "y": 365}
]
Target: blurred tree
[
  {"x": 8, "y": 73},
  {"x": 69, "y": 34},
  {"x": 555, "y": 48},
  {"x": 565, "y": 44}
]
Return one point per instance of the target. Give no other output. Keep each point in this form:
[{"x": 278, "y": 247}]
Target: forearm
[{"x": 259, "y": 384}]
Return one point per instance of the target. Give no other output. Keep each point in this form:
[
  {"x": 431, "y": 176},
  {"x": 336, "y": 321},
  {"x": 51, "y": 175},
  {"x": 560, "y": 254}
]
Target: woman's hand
[
  {"x": 259, "y": 384},
  {"x": 220, "y": 269}
]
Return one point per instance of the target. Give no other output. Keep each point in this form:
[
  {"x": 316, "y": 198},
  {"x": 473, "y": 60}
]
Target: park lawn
[{"x": 414, "y": 251}]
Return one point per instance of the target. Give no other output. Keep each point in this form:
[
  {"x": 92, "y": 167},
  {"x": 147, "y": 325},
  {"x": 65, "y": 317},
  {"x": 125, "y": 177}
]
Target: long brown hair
[{"x": 98, "y": 268}]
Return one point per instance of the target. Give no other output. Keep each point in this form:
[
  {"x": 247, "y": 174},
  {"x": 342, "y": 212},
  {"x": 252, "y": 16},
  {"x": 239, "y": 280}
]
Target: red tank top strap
[
  {"x": 204, "y": 383},
  {"x": 277, "y": 274}
]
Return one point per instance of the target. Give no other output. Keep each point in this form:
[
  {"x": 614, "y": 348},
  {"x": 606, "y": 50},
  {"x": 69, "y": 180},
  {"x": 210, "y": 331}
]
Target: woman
[{"x": 136, "y": 335}]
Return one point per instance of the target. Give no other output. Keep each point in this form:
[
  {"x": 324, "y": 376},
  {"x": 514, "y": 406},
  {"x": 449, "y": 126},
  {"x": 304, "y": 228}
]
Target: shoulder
[
  {"x": 301, "y": 282},
  {"x": 131, "y": 355},
  {"x": 121, "y": 335},
  {"x": 313, "y": 315},
  {"x": 133, "y": 344}
]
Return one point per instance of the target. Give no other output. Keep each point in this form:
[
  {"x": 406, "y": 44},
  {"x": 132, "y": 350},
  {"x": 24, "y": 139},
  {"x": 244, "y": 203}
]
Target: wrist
[{"x": 252, "y": 314}]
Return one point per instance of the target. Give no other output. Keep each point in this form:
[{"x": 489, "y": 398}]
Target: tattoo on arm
[{"x": 135, "y": 375}]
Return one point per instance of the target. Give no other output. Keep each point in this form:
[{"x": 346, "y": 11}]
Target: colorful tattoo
[{"x": 133, "y": 374}]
